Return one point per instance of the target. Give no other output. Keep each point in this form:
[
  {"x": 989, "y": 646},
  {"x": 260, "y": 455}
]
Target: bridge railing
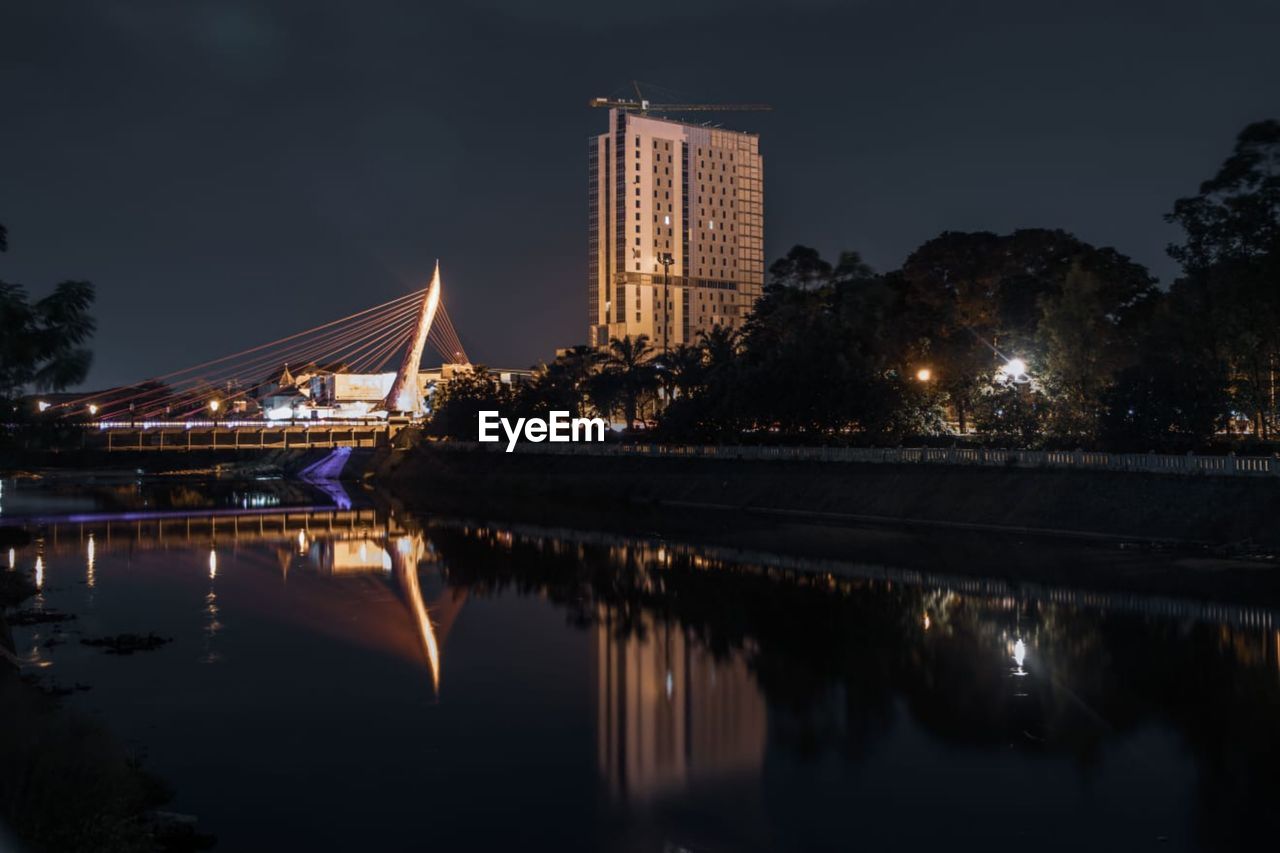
[
  {"x": 249, "y": 435},
  {"x": 291, "y": 423},
  {"x": 1155, "y": 463}
]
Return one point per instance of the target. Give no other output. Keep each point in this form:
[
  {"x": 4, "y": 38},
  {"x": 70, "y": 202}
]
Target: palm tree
[
  {"x": 629, "y": 362},
  {"x": 684, "y": 368},
  {"x": 574, "y": 367},
  {"x": 720, "y": 346}
]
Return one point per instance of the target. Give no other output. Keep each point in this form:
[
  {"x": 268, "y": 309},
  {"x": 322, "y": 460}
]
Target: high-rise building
[{"x": 676, "y": 229}]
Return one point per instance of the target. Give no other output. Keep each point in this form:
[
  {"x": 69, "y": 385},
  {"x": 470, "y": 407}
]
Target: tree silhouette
[
  {"x": 1231, "y": 256},
  {"x": 628, "y": 366}
]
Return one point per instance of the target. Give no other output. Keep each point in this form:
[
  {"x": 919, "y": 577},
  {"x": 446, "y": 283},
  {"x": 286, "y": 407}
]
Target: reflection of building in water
[
  {"x": 668, "y": 713},
  {"x": 350, "y": 556}
]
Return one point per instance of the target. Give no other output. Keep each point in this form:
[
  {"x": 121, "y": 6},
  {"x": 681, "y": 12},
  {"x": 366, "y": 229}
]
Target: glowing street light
[
  {"x": 43, "y": 405},
  {"x": 924, "y": 374},
  {"x": 213, "y": 406},
  {"x": 1014, "y": 370},
  {"x": 93, "y": 408}
]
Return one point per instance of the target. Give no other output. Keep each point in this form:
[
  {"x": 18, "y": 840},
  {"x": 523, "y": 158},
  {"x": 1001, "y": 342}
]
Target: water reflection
[
  {"x": 668, "y": 713},
  {"x": 333, "y": 543},
  {"x": 712, "y": 671},
  {"x": 706, "y": 666}
]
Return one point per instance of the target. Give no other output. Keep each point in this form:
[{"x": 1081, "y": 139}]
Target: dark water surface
[{"x": 357, "y": 679}]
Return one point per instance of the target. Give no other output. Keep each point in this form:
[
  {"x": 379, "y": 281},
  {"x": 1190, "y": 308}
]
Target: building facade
[{"x": 676, "y": 217}]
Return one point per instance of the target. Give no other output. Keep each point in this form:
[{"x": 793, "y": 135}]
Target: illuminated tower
[
  {"x": 678, "y": 200},
  {"x": 405, "y": 395}
]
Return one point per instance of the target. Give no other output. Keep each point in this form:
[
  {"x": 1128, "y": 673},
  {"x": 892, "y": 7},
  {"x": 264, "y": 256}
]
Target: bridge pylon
[{"x": 405, "y": 395}]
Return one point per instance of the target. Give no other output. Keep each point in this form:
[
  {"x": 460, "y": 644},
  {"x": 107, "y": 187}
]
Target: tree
[
  {"x": 1235, "y": 217},
  {"x": 628, "y": 367},
  {"x": 459, "y": 403},
  {"x": 1083, "y": 351},
  {"x": 801, "y": 268},
  {"x": 1231, "y": 254},
  {"x": 685, "y": 369},
  {"x": 561, "y": 385},
  {"x": 851, "y": 269},
  {"x": 972, "y": 300},
  {"x": 41, "y": 348},
  {"x": 1174, "y": 396}
]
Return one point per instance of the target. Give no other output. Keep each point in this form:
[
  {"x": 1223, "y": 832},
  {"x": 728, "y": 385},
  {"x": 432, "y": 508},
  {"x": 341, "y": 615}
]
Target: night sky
[{"x": 231, "y": 172}]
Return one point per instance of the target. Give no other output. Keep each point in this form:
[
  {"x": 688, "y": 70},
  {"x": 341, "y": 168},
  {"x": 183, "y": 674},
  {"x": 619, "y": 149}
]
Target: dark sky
[{"x": 231, "y": 172}]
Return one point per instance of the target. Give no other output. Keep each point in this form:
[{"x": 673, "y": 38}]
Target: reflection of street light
[{"x": 924, "y": 374}]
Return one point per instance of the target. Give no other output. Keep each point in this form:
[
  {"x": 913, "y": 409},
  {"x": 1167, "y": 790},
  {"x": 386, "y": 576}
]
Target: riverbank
[{"x": 1189, "y": 535}]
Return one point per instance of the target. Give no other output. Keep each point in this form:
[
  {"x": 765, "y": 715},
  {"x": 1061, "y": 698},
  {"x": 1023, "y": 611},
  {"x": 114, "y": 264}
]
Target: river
[{"x": 335, "y": 674}]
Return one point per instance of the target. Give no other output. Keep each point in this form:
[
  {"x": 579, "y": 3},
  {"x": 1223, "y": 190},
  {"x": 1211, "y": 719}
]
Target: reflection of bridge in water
[{"x": 340, "y": 543}]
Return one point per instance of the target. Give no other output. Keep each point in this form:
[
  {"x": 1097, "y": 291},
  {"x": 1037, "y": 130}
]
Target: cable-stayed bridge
[{"x": 351, "y": 382}]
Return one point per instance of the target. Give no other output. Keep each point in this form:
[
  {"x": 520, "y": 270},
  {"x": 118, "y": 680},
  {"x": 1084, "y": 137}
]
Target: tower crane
[{"x": 643, "y": 105}]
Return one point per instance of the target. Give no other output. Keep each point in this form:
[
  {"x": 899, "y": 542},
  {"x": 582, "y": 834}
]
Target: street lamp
[
  {"x": 43, "y": 405},
  {"x": 666, "y": 260},
  {"x": 93, "y": 409},
  {"x": 924, "y": 374},
  {"x": 1014, "y": 370},
  {"x": 213, "y": 407}
]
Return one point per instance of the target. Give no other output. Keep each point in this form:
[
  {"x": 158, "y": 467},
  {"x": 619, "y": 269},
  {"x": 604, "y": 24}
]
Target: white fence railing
[{"x": 1157, "y": 463}]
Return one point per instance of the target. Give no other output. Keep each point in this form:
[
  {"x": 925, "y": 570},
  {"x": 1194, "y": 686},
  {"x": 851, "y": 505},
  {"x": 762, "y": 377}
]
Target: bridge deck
[{"x": 240, "y": 437}]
